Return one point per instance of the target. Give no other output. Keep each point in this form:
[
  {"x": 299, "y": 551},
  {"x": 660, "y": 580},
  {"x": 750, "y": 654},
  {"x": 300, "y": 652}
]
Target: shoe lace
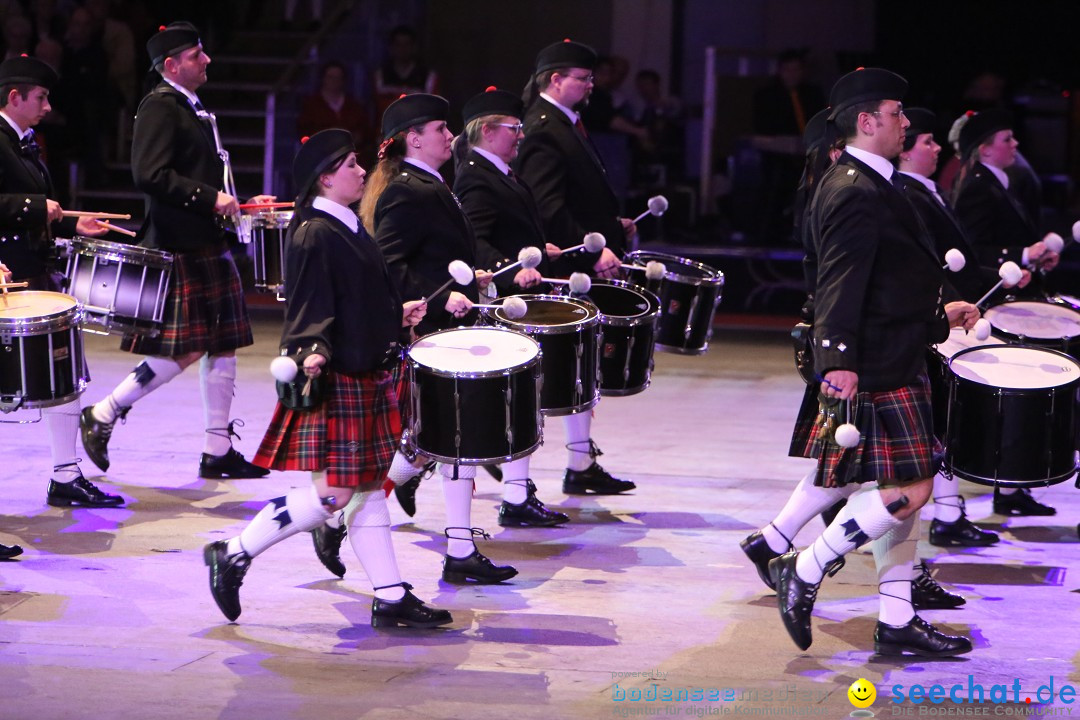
[
  {"x": 473, "y": 533},
  {"x": 228, "y": 432},
  {"x": 958, "y": 504},
  {"x": 236, "y": 566},
  {"x": 75, "y": 464},
  {"x": 593, "y": 450}
]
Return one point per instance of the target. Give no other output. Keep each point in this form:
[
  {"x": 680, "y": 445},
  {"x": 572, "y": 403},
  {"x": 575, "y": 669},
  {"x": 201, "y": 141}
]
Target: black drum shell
[
  {"x": 628, "y": 336},
  {"x": 49, "y": 354},
  {"x": 123, "y": 288},
  {"x": 689, "y": 293}
]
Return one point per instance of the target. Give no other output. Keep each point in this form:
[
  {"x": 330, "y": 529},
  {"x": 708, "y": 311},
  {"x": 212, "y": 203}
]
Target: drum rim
[
  {"x": 35, "y": 325},
  {"x": 650, "y": 316},
  {"x": 715, "y": 279},
  {"x": 591, "y": 319},
  {"x": 92, "y": 247},
  {"x": 501, "y": 372},
  {"x": 1026, "y": 346},
  {"x": 1055, "y": 339},
  {"x": 280, "y": 219}
]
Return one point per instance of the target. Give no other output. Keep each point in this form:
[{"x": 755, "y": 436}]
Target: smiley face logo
[{"x": 861, "y": 693}]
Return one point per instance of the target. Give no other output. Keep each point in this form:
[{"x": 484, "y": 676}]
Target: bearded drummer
[
  {"x": 29, "y": 217},
  {"x": 560, "y": 164},
  {"x": 175, "y": 164}
]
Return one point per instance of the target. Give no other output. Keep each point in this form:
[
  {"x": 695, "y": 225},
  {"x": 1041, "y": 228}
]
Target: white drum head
[
  {"x": 1036, "y": 320},
  {"x": 474, "y": 350},
  {"x": 35, "y": 304},
  {"x": 1015, "y": 367},
  {"x": 961, "y": 340}
]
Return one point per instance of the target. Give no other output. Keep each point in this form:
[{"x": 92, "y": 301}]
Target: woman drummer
[
  {"x": 420, "y": 227},
  {"x": 343, "y": 324}
]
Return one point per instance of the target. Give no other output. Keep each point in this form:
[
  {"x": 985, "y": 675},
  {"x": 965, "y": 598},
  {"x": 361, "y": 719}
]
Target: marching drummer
[
  {"x": 343, "y": 323},
  {"x": 418, "y": 223},
  {"x": 1001, "y": 229},
  {"x": 558, "y": 161},
  {"x": 505, "y": 219},
  {"x": 175, "y": 164},
  {"x": 29, "y": 218}
]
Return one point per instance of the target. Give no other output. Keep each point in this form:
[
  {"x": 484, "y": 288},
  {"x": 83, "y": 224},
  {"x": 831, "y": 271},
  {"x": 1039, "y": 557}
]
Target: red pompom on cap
[
  {"x": 566, "y": 39},
  {"x": 401, "y": 95},
  {"x": 304, "y": 139},
  {"x": 161, "y": 28},
  {"x": 23, "y": 55},
  {"x": 490, "y": 88},
  {"x": 969, "y": 113}
]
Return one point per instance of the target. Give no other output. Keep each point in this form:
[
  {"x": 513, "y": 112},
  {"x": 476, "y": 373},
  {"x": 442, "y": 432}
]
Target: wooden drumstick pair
[
  {"x": 100, "y": 217},
  {"x": 6, "y": 286}
]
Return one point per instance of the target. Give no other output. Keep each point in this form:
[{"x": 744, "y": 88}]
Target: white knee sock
[
  {"x": 63, "y": 421},
  {"x": 806, "y": 502},
  {"x": 458, "y": 497},
  {"x": 369, "y": 534},
  {"x": 515, "y": 476},
  {"x": 148, "y": 376},
  {"x": 948, "y": 505},
  {"x": 894, "y": 556},
  {"x": 217, "y": 378},
  {"x": 401, "y": 469},
  {"x": 578, "y": 431},
  {"x": 299, "y": 510},
  {"x": 864, "y": 518}
]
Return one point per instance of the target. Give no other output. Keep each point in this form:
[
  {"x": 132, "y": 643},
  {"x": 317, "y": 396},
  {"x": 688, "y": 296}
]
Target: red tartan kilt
[
  {"x": 352, "y": 434},
  {"x": 897, "y": 437},
  {"x": 204, "y": 311}
]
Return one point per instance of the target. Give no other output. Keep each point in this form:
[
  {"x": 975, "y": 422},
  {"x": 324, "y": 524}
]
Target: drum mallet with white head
[
  {"x": 657, "y": 204},
  {"x": 528, "y": 258},
  {"x": 460, "y": 273},
  {"x": 512, "y": 307},
  {"x": 284, "y": 369},
  {"x": 654, "y": 269},
  {"x": 954, "y": 260},
  {"x": 579, "y": 283},
  {"x": 592, "y": 242},
  {"x": 1010, "y": 273}
]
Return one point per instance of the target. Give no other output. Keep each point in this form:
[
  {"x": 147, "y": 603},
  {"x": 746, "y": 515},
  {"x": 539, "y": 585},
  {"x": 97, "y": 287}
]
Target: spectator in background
[
  {"x": 403, "y": 72},
  {"x": 118, "y": 41},
  {"x": 19, "y": 39},
  {"x": 81, "y": 100},
  {"x": 660, "y": 161},
  {"x": 332, "y": 107},
  {"x": 606, "y": 111},
  {"x": 781, "y": 111}
]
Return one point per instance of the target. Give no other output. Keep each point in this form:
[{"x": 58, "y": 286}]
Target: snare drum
[
  {"x": 1012, "y": 416},
  {"x": 41, "y": 352},
  {"x": 937, "y": 369},
  {"x": 568, "y": 331},
  {"x": 475, "y": 395},
  {"x": 122, "y": 288},
  {"x": 1050, "y": 325},
  {"x": 689, "y": 293},
  {"x": 628, "y": 320},
  {"x": 268, "y": 230}
]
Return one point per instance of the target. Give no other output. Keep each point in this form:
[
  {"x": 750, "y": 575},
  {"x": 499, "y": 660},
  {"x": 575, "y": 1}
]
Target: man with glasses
[
  {"x": 877, "y": 305},
  {"x": 568, "y": 180}
]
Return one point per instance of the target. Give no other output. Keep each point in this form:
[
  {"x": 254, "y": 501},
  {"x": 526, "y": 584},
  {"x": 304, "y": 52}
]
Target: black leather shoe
[
  {"x": 594, "y": 479},
  {"x": 757, "y": 549},
  {"x": 962, "y": 533},
  {"x": 95, "y": 436},
  {"x": 327, "y": 542},
  {"x": 230, "y": 465},
  {"x": 794, "y": 597},
  {"x": 926, "y": 594},
  {"x": 81, "y": 493},
  {"x": 1020, "y": 503},
  {"x": 408, "y": 611},
  {"x": 531, "y": 513},
  {"x": 919, "y": 638},
  {"x": 9, "y": 551},
  {"x": 477, "y": 568},
  {"x": 494, "y": 471},
  {"x": 226, "y": 576},
  {"x": 406, "y": 491}
]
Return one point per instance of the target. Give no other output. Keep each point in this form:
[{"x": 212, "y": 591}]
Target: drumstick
[
  {"x": 5, "y": 286},
  {"x": 460, "y": 273},
  {"x": 579, "y": 282},
  {"x": 658, "y": 205},
  {"x": 654, "y": 269},
  {"x": 593, "y": 242},
  {"x": 514, "y": 307},
  {"x": 266, "y": 206},
  {"x": 103, "y": 215},
  {"x": 1008, "y": 272},
  {"x": 118, "y": 229}
]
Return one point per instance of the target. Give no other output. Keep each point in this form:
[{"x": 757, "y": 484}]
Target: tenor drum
[
  {"x": 689, "y": 293},
  {"x": 122, "y": 288},
  {"x": 475, "y": 395},
  {"x": 1051, "y": 325},
  {"x": 937, "y": 369},
  {"x": 1012, "y": 416},
  {"x": 628, "y": 319},
  {"x": 568, "y": 331},
  {"x": 41, "y": 351},
  {"x": 268, "y": 230}
]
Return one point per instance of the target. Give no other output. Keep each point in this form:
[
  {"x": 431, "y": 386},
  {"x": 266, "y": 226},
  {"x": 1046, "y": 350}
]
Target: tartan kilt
[
  {"x": 204, "y": 311},
  {"x": 352, "y": 434},
  {"x": 897, "y": 443}
]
